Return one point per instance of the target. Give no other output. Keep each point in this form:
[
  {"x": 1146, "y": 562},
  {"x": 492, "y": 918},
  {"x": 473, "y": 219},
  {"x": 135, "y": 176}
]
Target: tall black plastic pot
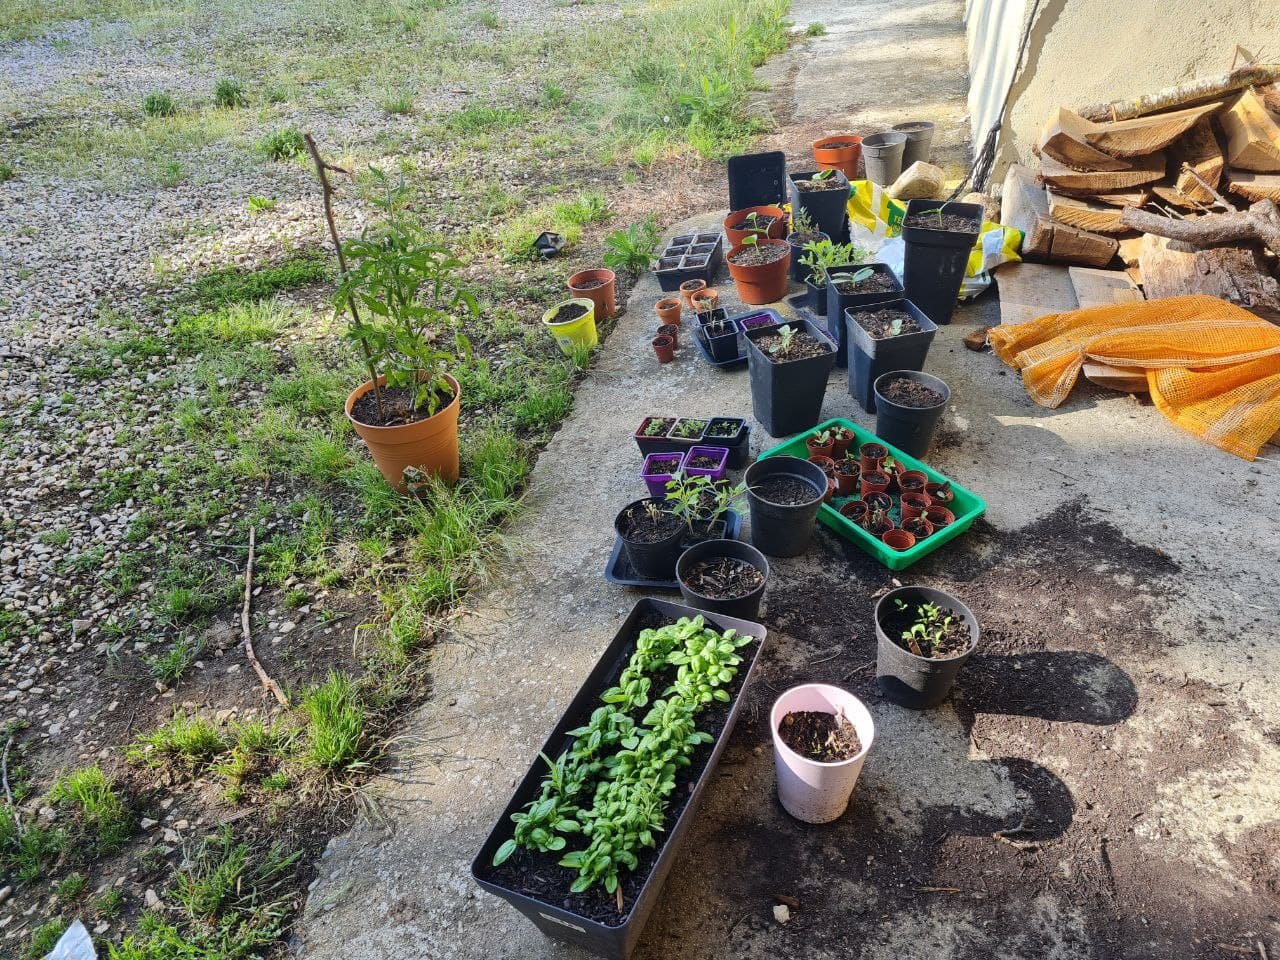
[
  {"x": 838, "y": 302},
  {"x": 800, "y": 272},
  {"x": 934, "y": 260},
  {"x": 869, "y": 358},
  {"x": 828, "y": 208},
  {"x": 784, "y": 530},
  {"x": 908, "y": 680},
  {"x": 787, "y": 397},
  {"x": 910, "y": 429},
  {"x": 651, "y": 561},
  {"x": 747, "y": 607}
]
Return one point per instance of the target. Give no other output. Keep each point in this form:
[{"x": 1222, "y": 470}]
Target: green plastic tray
[{"x": 967, "y": 506}]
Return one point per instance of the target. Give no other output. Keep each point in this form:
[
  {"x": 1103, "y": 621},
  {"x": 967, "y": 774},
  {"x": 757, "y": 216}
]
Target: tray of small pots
[
  {"x": 888, "y": 503},
  {"x": 719, "y": 337},
  {"x": 662, "y": 433}
]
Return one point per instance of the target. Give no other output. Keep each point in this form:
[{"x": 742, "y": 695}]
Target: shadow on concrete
[{"x": 1057, "y": 685}]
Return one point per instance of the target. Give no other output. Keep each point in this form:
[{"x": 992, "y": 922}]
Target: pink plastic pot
[{"x": 811, "y": 791}]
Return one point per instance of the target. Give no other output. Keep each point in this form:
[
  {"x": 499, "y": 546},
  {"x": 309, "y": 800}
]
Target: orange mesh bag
[{"x": 1212, "y": 368}]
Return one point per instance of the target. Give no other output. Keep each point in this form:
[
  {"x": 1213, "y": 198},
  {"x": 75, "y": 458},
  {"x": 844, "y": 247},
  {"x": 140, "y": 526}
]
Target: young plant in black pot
[
  {"x": 893, "y": 335},
  {"x": 909, "y": 405},
  {"x": 789, "y": 367},
  {"x": 722, "y": 338},
  {"x": 784, "y": 495},
  {"x": 726, "y": 576},
  {"x": 652, "y": 536},
  {"x": 803, "y": 231},
  {"x": 872, "y": 283},
  {"x": 923, "y": 638},
  {"x": 824, "y": 196},
  {"x": 937, "y": 238},
  {"x": 703, "y": 504},
  {"x": 822, "y": 257}
]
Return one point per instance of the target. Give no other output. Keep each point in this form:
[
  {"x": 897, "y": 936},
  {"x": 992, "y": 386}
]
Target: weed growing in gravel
[
  {"x": 172, "y": 665},
  {"x": 283, "y": 144},
  {"x": 815, "y": 29},
  {"x": 632, "y": 250},
  {"x": 71, "y": 887},
  {"x": 489, "y": 18},
  {"x": 101, "y": 822},
  {"x": 398, "y": 103},
  {"x": 55, "y": 538},
  {"x": 190, "y": 742},
  {"x": 107, "y": 906},
  {"x": 480, "y": 117},
  {"x": 565, "y": 217},
  {"x": 237, "y": 289},
  {"x": 260, "y": 205},
  {"x": 553, "y": 95},
  {"x": 229, "y": 95},
  {"x": 336, "y": 721},
  {"x": 44, "y": 938},
  {"x": 159, "y": 104},
  {"x": 27, "y": 853},
  {"x": 7, "y": 172},
  {"x": 257, "y": 750}
]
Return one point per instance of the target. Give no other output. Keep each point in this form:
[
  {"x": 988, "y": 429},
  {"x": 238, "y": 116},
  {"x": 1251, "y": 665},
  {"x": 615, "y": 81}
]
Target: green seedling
[
  {"x": 929, "y": 629},
  {"x": 785, "y": 336},
  {"x": 821, "y": 255}
]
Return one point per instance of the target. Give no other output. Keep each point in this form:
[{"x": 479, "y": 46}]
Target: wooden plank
[
  {"x": 1201, "y": 150},
  {"x": 1235, "y": 273},
  {"x": 1143, "y": 135},
  {"x": 1029, "y": 291},
  {"x": 1098, "y": 288},
  {"x": 1253, "y": 137},
  {"x": 1063, "y": 139},
  {"x": 1270, "y": 96},
  {"x": 1085, "y": 214},
  {"x": 1025, "y": 204},
  {"x": 1172, "y": 195},
  {"x": 1145, "y": 170},
  {"x": 1254, "y": 186},
  {"x": 1122, "y": 379},
  {"x": 1122, "y": 198},
  {"x": 1073, "y": 245}
]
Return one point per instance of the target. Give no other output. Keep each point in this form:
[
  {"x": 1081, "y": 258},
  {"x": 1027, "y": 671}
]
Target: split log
[
  {"x": 1175, "y": 197},
  {"x": 1233, "y": 273},
  {"x": 1254, "y": 186},
  {"x": 1184, "y": 94},
  {"x": 1200, "y": 150},
  {"x": 1119, "y": 198},
  {"x": 1063, "y": 139},
  {"x": 1145, "y": 170},
  {"x": 1143, "y": 135},
  {"x": 1086, "y": 214},
  {"x": 1025, "y": 204},
  {"x": 1259, "y": 224},
  {"x": 1253, "y": 137},
  {"x": 1129, "y": 250},
  {"x": 1270, "y": 95}
]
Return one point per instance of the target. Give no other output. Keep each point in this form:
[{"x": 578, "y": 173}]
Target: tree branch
[
  {"x": 267, "y": 683},
  {"x": 1259, "y": 224}
]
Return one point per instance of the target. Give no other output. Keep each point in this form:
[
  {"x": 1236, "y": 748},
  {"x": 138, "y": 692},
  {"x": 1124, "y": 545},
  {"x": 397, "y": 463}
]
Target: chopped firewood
[
  {"x": 1086, "y": 214},
  {"x": 1145, "y": 170},
  {"x": 1120, "y": 379},
  {"x": 976, "y": 340},
  {"x": 1259, "y": 224},
  {"x": 1254, "y": 186},
  {"x": 1200, "y": 150},
  {"x": 1143, "y": 135},
  {"x": 1101, "y": 288},
  {"x": 1233, "y": 273},
  {"x": 1025, "y": 204},
  {"x": 1129, "y": 249},
  {"x": 1063, "y": 139},
  {"x": 1176, "y": 198},
  {"x": 1184, "y": 94},
  {"x": 1253, "y": 136},
  {"x": 1270, "y": 95},
  {"x": 1118, "y": 198}
]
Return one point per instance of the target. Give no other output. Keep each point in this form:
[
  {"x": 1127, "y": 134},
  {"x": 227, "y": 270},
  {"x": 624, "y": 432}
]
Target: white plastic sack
[{"x": 74, "y": 944}]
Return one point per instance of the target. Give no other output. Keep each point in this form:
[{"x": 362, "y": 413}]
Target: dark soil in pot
[
  {"x": 951, "y": 641},
  {"x": 397, "y": 407},
  {"x": 819, "y": 186},
  {"x": 802, "y": 346},
  {"x": 663, "y": 467},
  {"x": 762, "y": 223},
  {"x": 723, "y": 429},
  {"x": 784, "y": 490},
  {"x": 639, "y": 525},
  {"x": 823, "y": 737},
  {"x": 723, "y": 578},
  {"x": 910, "y": 393},
  {"x": 570, "y": 311},
  {"x": 656, "y": 426},
  {"x": 876, "y": 283},
  {"x": 588, "y": 285},
  {"x": 703, "y": 462},
  {"x": 758, "y": 256},
  {"x": 886, "y": 323},
  {"x": 944, "y": 222}
]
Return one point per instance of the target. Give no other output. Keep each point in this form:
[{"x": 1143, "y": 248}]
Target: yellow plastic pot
[{"x": 575, "y": 333}]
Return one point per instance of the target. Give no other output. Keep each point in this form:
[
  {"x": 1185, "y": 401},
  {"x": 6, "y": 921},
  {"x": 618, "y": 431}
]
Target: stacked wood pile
[{"x": 1180, "y": 187}]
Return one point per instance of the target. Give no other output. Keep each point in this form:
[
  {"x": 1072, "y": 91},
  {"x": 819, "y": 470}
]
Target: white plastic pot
[{"x": 811, "y": 791}]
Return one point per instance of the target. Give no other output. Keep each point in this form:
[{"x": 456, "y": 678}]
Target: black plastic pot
[
  {"x": 787, "y": 397},
  {"x": 828, "y": 208},
  {"x": 784, "y": 530},
  {"x": 910, "y": 429},
  {"x": 934, "y": 260},
  {"x": 838, "y": 302},
  {"x": 748, "y": 607},
  {"x": 800, "y": 272},
  {"x": 616, "y": 941},
  {"x": 815, "y": 297},
  {"x": 651, "y": 561},
  {"x": 723, "y": 346},
  {"x": 906, "y": 679},
  {"x": 870, "y": 358}
]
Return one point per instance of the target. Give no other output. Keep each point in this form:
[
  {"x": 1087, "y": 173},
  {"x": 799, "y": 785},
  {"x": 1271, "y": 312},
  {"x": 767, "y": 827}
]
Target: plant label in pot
[
  {"x": 789, "y": 366},
  {"x": 885, "y": 336},
  {"x": 937, "y": 238},
  {"x": 909, "y": 405},
  {"x": 821, "y": 737},
  {"x": 923, "y": 638}
]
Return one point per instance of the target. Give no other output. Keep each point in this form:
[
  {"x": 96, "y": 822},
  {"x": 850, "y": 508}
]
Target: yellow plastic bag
[{"x": 874, "y": 216}]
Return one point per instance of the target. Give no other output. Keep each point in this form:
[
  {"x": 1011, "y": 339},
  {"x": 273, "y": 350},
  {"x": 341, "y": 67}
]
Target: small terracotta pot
[
  {"x": 672, "y": 331},
  {"x": 602, "y": 296},
  {"x": 918, "y": 527},
  {"x": 939, "y": 516},
  {"x": 873, "y": 481},
  {"x": 817, "y": 449},
  {"x": 840, "y": 444},
  {"x": 777, "y": 230},
  {"x": 872, "y": 455},
  {"x": 689, "y": 288},
  {"x": 898, "y": 539},
  {"x": 855, "y": 510},
  {"x": 664, "y": 348},
  {"x": 881, "y": 501},
  {"x": 846, "y": 483},
  {"x": 704, "y": 300},
  {"x": 879, "y": 529},
  {"x": 430, "y": 445},
  {"x": 668, "y": 310},
  {"x": 914, "y": 505},
  {"x": 913, "y": 481},
  {"x": 844, "y": 159},
  {"x": 761, "y": 283},
  {"x": 940, "y": 492}
]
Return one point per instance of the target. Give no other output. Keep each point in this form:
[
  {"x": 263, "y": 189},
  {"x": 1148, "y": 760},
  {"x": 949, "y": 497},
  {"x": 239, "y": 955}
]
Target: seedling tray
[
  {"x": 739, "y": 446},
  {"x": 618, "y": 569},
  {"x": 967, "y": 506},
  {"x": 691, "y": 256},
  {"x": 741, "y": 358},
  {"x": 616, "y": 941}
]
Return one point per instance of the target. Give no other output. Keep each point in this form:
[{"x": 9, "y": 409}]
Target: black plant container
[
  {"x": 910, "y": 429},
  {"x": 787, "y": 397},
  {"x": 617, "y": 941},
  {"x": 784, "y": 530},
  {"x": 757, "y": 179},
  {"x": 908, "y": 680},
  {"x": 800, "y": 272},
  {"x": 828, "y": 208},
  {"x": 838, "y": 302},
  {"x": 651, "y": 561},
  {"x": 739, "y": 444},
  {"x": 815, "y": 297},
  {"x": 724, "y": 345},
  {"x": 934, "y": 260},
  {"x": 869, "y": 358},
  {"x": 748, "y": 607}
]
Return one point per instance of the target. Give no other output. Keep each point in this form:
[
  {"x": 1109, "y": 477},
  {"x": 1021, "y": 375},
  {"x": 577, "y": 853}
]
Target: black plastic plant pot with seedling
[
  {"x": 873, "y": 284},
  {"x": 715, "y": 588},
  {"x": 722, "y": 339},
  {"x": 937, "y": 238},
  {"x": 915, "y": 680},
  {"x": 827, "y": 206},
  {"x": 653, "y": 557},
  {"x": 871, "y": 357},
  {"x": 590, "y": 920},
  {"x": 786, "y": 395}
]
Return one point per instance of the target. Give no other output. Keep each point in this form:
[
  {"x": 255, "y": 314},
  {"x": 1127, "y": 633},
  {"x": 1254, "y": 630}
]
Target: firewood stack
[{"x": 1182, "y": 187}]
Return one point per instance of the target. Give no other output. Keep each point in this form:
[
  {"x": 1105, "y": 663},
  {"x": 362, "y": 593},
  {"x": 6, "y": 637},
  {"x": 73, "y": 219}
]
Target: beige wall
[{"x": 1087, "y": 51}]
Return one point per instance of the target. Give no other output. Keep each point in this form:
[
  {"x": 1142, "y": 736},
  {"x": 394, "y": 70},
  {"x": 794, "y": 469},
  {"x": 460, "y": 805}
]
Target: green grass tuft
[
  {"x": 101, "y": 820},
  {"x": 236, "y": 288},
  {"x": 172, "y": 665},
  {"x": 44, "y": 938},
  {"x": 230, "y": 95},
  {"x": 283, "y": 144},
  {"x": 190, "y": 742},
  {"x": 159, "y": 104},
  {"x": 336, "y": 724},
  {"x": 815, "y": 29}
]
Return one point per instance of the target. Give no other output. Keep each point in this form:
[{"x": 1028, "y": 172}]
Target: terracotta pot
[
  {"x": 880, "y": 501},
  {"x": 940, "y": 492},
  {"x": 872, "y": 455},
  {"x": 914, "y": 505},
  {"x": 704, "y": 300},
  {"x": 777, "y": 230},
  {"x": 918, "y": 527},
  {"x": 763, "y": 283},
  {"x": 689, "y": 288},
  {"x": 913, "y": 481},
  {"x": 664, "y": 348},
  {"x": 817, "y": 449},
  {"x": 898, "y": 539},
  {"x": 672, "y": 331},
  {"x": 880, "y": 529},
  {"x": 831, "y": 490},
  {"x": 873, "y": 481},
  {"x": 430, "y": 445},
  {"x": 844, "y": 159},
  {"x": 939, "y": 516},
  {"x": 840, "y": 443},
  {"x": 847, "y": 483},
  {"x": 602, "y": 296},
  {"x": 855, "y": 510},
  {"x": 668, "y": 310}
]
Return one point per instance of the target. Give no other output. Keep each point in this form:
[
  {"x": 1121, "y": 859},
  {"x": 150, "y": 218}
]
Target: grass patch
[
  {"x": 172, "y": 665},
  {"x": 159, "y": 104},
  {"x": 230, "y": 95},
  {"x": 189, "y": 742},
  {"x": 44, "y": 938},
  {"x": 237, "y": 289},
  {"x": 335, "y": 724},
  {"x": 71, "y": 888},
  {"x": 283, "y": 144},
  {"x": 101, "y": 822},
  {"x": 565, "y": 217},
  {"x": 481, "y": 118}
]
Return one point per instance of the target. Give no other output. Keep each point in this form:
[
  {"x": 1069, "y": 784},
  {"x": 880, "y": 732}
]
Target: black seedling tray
[
  {"x": 619, "y": 571},
  {"x": 757, "y": 179},
  {"x": 691, "y": 256}
]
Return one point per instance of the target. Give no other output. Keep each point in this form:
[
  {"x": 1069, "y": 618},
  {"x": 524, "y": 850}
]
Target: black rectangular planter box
[
  {"x": 616, "y": 941},
  {"x": 838, "y": 302},
  {"x": 869, "y": 358},
  {"x": 692, "y": 256},
  {"x": 739, "y": 445},
  {"x": 787, "y": 397},
  {"x": 934, "y": 261}
]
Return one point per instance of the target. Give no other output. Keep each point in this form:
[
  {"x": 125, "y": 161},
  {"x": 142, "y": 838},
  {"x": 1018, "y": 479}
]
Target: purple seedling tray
[
  {"x": 716, "y": 473},
  {"x": 657, "y": 482}
]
